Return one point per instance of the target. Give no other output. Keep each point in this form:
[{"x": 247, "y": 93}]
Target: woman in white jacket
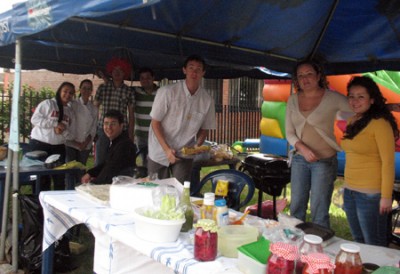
[
  {"x": 83, "y": 127},
  {"x": 51, "y": 129}
]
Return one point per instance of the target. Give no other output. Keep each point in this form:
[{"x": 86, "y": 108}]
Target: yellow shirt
[{"x": 370, "y": 165}]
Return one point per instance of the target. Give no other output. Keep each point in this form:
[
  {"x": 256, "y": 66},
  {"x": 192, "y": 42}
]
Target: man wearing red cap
[{"x": 114, "y": 95}]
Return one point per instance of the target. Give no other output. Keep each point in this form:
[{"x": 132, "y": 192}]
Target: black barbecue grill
[{"x": 270, "y": 174}]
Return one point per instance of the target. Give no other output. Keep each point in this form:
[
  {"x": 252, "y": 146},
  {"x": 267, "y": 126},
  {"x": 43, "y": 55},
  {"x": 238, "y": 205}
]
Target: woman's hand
[
  {"x": 385, "y": 205},
  {"x": 59, "y": 129},
  {"x": 307, "y": 153}
]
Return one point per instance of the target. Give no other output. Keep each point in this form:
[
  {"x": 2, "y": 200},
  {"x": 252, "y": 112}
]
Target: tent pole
[
  {"x": 6, "y": 195},
  {"x": 163, "y": 34},
  {"x": 13, "y": 166},
  {"x": 323, "y": 31}
]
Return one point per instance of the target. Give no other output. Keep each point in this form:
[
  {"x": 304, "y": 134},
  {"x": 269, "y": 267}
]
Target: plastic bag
[
  {"x": 30, "y": 244},
  {"x": 30, "y": 249}
]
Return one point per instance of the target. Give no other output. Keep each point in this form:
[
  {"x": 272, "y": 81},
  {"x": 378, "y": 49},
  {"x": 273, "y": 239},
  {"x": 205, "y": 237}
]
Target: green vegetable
[{"x": 168, "y": 210}]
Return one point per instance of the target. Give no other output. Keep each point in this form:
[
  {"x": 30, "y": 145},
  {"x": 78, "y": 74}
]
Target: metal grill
[{"x": 270, "y": 174}]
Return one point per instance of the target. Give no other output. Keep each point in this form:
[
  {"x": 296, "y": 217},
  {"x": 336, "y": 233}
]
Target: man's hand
[
  {"x": 86, "y": 178},
  {"x": 171, "y": 156}
]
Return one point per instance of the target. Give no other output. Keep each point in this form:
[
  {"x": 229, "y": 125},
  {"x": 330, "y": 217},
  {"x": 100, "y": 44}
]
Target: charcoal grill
[{"x": 270, "y": 174}]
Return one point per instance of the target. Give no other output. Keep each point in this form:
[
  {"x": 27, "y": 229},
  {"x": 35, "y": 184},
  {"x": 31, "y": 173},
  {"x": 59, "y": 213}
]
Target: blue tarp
[{"x": 234, "y": 36}]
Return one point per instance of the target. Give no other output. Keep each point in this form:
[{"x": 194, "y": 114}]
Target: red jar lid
[
  {"x": 316, "y": 261},
  {"x": 285, "y": 250}
]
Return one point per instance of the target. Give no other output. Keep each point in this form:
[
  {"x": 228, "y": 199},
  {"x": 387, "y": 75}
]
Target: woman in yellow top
[{"x": 369, "y": 143}]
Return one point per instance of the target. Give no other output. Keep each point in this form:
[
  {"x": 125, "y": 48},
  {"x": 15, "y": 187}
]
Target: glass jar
[
  {"x": 311, "y": 244},
  {"x": 205, "y": 240},
  {"x": 282, "y": 258},
  {"x": 317, "y": 263},
  {"x": 348, "y": 259}
]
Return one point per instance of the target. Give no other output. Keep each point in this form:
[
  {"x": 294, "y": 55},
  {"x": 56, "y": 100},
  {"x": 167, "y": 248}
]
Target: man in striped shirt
[{"x": 144, "y": 98}]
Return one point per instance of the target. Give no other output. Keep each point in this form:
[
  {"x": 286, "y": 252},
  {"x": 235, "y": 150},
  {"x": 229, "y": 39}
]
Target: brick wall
[{"x": 44, "y": 78}]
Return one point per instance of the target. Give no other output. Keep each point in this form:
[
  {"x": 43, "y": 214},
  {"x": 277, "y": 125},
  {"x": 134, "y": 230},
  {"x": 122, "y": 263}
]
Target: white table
[{"x": 119, "y": 250}]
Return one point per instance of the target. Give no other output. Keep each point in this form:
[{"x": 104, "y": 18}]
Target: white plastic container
[
  {"x": 230, "y": 237},
  {"x": 156, "y": 230},
  {"x": 250, "y": 266}
]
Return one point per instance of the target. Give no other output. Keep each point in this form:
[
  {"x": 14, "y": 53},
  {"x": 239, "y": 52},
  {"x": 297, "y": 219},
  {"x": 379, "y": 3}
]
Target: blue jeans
[
  {"x": 315, "y": 181},
  {"x": 366, "y": 224}
]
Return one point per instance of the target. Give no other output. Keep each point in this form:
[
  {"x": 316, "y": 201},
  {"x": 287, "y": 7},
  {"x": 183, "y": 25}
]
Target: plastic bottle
[
  {"x": 207, "y": 209},
  {"x": 205, "y": 240},
  {"x": 187, "y": 206},
  {"x": 221, "y": 213},
  {"x": 348, "y": 260},
  {"x": 311, "y": 244}
]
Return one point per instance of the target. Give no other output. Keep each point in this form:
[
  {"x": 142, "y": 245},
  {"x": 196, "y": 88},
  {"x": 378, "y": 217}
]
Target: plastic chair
[{"x": 237, "y": 182}]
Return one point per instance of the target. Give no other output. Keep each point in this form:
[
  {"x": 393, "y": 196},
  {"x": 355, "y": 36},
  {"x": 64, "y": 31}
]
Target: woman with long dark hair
[
  {"x": 51, "y": 128},
  {"x": 369, "y": 143}
]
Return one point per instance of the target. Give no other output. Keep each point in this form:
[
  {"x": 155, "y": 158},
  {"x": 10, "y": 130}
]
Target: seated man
[{"x": 121, "y": 152}]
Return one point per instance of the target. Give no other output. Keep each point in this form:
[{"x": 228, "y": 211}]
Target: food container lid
[
  {"x": 220, "y": 202},
  {"x": 285, "y": 250},
  {"x": 352, "y": 248},
  {"x": 312, "y": 239},
  {"x": 209, "y": 198},
  {"x": 206, "y": 225}
]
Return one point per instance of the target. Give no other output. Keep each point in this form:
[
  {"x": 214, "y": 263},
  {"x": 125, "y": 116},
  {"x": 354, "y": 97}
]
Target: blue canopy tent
[{"x": 235, "y": 37}]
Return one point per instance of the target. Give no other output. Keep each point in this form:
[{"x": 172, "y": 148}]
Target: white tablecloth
[{"x": 119, "y": 250}]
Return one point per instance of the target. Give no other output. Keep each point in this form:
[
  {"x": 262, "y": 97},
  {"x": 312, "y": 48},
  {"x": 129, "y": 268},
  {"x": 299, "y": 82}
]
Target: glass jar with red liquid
[
  {"x": 317, "y": 263},
  {"x": 282, "y": 258},
  {"x": 311, "y": 244},
  {"x": 348, "y": 260},
  {"x": 205, "y": 240}
]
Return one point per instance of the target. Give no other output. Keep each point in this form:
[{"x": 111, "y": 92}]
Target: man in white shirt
[{"x": 182, "y": 114}]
